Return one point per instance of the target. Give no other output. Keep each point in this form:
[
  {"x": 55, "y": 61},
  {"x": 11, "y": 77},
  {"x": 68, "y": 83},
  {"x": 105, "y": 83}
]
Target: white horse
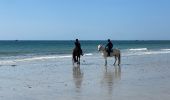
[{"x": 116, "y": 53}]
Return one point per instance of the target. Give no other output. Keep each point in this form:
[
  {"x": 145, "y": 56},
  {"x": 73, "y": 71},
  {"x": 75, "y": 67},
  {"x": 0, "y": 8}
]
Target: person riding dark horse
[
  {"x": 109, "y": 47},
  {"x": 78, "y": 45}
]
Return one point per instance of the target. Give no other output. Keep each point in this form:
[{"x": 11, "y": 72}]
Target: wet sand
[{"x": 138, "y": 78}]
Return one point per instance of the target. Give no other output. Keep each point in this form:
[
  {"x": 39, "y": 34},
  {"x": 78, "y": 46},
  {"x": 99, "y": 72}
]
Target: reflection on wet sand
[
  {"x": 77, "y": 76},
  {"x": 111, "y": 77}
]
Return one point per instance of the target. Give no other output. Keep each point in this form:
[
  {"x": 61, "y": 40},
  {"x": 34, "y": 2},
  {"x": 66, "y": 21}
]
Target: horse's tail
[{"x": 119, "y": 58}]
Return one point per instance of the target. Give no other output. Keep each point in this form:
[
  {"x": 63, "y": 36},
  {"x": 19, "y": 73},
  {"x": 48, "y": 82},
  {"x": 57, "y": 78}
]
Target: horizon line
[{"x": 80, "y": 40}]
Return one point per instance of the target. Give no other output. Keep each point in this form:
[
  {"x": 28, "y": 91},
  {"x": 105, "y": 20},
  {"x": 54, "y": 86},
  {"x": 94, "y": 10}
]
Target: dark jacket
[
  {"x": 109, "y": 45},
  {"x": 77, "y": 44}
]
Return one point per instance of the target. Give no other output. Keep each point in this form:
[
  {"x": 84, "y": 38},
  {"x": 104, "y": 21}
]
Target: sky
[{"x": 84, "y": 19}]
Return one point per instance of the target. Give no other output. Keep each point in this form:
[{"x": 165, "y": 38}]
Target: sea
[{"x": 30, "y": 50}]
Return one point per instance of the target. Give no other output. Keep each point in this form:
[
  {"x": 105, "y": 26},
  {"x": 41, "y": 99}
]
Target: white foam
[
  {"x": 45, "y": 58},
  {"x": 146, "y": 53},
  {"x": 138, "y": 49},
  {"x": 40, "y": 58},
  {"x": 12, "y": 61},
  {"x": 7, "y": 62},
  {"x": 157, "y": 52},
  {"x": 50, "y": 57},
  {"x": 165, "y": 49},
  {"x": 88, "y": 54}
]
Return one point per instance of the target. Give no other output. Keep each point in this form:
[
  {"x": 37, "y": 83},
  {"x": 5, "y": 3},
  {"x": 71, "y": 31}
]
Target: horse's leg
[
  {"x": 79, "y": 59},
  {"x": 119, "y": 58},
  {"x": 105, "y": 61},
  {"x": 73, "y": 58},
  {"x": 73, "y": 61},
  {"x": 78, "y": 67},
  {"x": 115, "y": 60}
]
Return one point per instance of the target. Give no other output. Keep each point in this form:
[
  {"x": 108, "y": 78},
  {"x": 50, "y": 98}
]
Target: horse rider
[
  {"x": 109, "y": 47},
  {"x": 78, "y": 45}
]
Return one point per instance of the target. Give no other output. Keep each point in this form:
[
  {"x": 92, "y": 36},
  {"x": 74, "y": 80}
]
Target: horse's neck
[{"x": 103, "y": 49}]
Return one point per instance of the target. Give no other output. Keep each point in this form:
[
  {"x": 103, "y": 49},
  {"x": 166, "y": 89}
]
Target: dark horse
[{"x": 76, "y": 55}]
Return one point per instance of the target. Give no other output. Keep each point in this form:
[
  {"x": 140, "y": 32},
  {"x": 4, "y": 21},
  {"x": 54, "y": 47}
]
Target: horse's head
[{"x": 99, "y": 47}]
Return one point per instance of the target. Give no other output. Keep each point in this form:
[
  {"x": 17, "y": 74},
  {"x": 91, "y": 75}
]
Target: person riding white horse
[{"x": 116, "y": 53}]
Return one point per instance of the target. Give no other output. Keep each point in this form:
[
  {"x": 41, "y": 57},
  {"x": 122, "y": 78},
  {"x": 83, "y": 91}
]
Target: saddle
[
  {"x": 108, "y": 51},
  {"x": 78, "y": 50}
]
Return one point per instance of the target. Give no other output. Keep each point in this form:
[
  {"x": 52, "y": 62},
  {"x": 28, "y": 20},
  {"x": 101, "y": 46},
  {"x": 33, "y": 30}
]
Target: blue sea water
[{"x": 53, "y": 49}]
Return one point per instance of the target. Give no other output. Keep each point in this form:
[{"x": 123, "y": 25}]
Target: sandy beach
[
  {"x": 39, "y": 39},
  {"x": 138, "y": 78}
]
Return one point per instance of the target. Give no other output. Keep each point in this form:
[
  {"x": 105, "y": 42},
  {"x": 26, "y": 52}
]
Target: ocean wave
[
  {"x": 165, "y": 49},
  {"x": 13, "y": 61},
  {"x": 146, "y": 52},
  {"x": 157, "y": 52},
  {"x": 52, "y": 57},
  {"x": 44, "y": 58},
  {"x": 7, "y": 62},
  {"x": 35, "y": 58},
  {"x": 88, "y": 54},
  {"x": 138, "y": 49}
]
